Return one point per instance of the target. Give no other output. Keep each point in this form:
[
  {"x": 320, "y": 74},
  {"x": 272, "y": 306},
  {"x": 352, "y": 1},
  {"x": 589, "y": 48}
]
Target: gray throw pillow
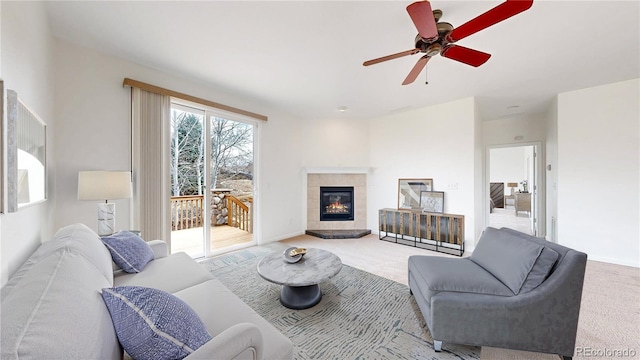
[
  {"x": 507, "y": 257},
  {"x": 540, "y": 270}
]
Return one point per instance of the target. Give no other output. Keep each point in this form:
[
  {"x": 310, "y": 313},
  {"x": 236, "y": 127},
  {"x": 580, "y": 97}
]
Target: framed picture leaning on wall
[
  {"x": 409, "y": 192},
  {"x": 432, "y": 201}
]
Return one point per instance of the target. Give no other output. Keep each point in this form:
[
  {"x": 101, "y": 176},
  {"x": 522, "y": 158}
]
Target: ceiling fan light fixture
[
  {"x": 342, "y": 108},
  {"x": 434, "y": 49}
]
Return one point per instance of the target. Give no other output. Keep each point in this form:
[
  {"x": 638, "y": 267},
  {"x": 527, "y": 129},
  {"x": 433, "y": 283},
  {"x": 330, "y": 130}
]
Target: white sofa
[{"x": 52, "y": 306}]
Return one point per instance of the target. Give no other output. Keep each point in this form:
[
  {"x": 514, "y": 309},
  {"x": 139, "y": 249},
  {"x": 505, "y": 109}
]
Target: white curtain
[{"x": 150, "y": 139}]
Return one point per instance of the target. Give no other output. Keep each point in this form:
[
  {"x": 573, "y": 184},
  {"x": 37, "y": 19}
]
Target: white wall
[
  {"x": 599, "y": 172},
  {"x": 551, "y": 170},
  {"x": 335, "y": 142},
  {"x": 507, "y": 130},
  {"x": 27, "y": 53},
  {"x": 436, "y": 142}
]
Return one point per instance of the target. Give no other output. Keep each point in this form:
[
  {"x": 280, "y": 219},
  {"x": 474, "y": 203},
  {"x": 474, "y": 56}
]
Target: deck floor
[{"x": 190, "y": 240}]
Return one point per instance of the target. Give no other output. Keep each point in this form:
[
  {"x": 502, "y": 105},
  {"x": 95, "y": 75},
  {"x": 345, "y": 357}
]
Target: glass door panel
[
  {"x": 187, "y": 169},
  {"x": 231, "y": 177}
]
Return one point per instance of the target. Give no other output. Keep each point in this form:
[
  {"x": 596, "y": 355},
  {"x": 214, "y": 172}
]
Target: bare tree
[
  {"x": 231, "y": 151},
  {"x": 230, "y": 144},
  {"x": 186, "y": 153}
]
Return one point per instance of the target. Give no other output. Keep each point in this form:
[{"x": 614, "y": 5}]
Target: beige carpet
[
  {"x": 506, "y": 217},
  {"x": 609, "y": 314},
  {"x": 361, "y": 315}
]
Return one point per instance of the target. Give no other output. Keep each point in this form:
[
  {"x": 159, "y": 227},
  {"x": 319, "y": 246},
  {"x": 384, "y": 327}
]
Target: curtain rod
[{"x": 163, "y": 91}]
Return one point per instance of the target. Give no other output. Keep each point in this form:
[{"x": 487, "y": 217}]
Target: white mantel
[{"x": 337, "y": 170}]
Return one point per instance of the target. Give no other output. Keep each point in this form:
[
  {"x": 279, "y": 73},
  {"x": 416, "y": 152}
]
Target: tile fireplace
[{"x": 325, "y": 211}]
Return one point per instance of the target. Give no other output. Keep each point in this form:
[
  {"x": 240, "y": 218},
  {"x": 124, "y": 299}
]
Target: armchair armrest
[
  {"x": 159, "y": 248},
  {"x": 239, "y": 339}
]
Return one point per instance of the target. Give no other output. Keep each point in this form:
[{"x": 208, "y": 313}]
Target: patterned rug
[{"x": 361, "y": 315}]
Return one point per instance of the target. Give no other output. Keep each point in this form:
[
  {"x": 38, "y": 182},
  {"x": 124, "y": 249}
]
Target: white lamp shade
[{"x": 104, "y": 185}]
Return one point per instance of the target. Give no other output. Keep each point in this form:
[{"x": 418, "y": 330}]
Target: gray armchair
[{"x": 515, "y": 291}]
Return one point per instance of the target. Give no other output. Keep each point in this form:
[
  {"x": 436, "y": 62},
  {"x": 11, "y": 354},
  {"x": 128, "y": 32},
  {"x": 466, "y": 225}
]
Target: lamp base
[{"x": 106, "y": 218}]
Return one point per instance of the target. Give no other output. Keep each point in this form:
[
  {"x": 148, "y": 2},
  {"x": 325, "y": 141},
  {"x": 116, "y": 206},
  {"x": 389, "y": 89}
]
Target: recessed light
[{"x": 342, "y": 108}]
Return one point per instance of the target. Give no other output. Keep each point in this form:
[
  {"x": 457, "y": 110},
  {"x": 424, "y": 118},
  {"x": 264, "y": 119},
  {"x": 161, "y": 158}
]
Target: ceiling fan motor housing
[{"x": 435, "y": 37}]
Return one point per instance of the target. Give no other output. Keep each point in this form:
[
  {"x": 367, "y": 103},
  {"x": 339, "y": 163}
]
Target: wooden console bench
[{"x": 431, "y": 231}]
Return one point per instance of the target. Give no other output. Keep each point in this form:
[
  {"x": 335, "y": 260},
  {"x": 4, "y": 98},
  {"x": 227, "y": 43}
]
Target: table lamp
[
  {"x": 512, "y": 185},
  {"x": 104, "y": 185}
]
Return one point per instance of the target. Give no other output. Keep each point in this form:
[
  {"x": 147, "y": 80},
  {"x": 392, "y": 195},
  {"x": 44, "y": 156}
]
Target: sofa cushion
[
  {"x": 220, "y": 309},
  {"x": 507, "y": 257},
  {"x": 128, "y": 251},
  {"x": 56, "y": 312},
  {"x": 153, "y": 324},
  {"x": 171, "y": 274},
  {"x": 434, "y": 274}
]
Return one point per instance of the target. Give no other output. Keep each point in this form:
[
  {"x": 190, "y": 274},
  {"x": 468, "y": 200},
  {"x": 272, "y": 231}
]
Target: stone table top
[{"x": 316, "y": 266}]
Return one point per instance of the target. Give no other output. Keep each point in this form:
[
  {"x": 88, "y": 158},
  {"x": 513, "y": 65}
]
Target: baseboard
[
  {"x": 613, "y": 261},
  {"x": 282, "y": 237}
]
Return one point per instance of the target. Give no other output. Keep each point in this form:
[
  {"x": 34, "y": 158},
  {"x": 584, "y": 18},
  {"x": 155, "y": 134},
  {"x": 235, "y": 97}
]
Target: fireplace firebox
[{"x": 336, "y": 203}]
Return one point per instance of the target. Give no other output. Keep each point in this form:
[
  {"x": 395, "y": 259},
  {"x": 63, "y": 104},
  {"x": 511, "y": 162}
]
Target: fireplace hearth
[{"x": 336, "y": 203}]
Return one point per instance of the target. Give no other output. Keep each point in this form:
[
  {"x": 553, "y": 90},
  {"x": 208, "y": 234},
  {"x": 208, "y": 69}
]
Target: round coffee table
[{"x": 300, "y": 280}]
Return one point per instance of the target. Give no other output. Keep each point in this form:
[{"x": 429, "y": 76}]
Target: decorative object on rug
[
  {"x": 294, "y": 254},
  {"x": 104, "y": 185},
  {"x": 409, "y": 192},
  {"x": 432, "y": 201},
  {"x": 361, "y": 315}
]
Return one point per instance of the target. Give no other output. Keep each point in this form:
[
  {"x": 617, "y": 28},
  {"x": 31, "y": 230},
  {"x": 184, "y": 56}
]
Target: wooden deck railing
[
  {"x": 239, "y": 212},
  {"x": 187, "y": 212}
]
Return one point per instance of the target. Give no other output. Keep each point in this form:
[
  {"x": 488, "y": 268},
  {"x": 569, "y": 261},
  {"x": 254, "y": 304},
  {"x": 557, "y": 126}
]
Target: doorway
[
  {"x": 514, "y": 188},
  {"x": 212, "y": 180}
]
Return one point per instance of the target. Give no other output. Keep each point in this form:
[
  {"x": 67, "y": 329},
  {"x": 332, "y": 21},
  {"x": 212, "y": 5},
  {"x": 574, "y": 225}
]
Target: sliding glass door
[{"x": 212, "y": 164}]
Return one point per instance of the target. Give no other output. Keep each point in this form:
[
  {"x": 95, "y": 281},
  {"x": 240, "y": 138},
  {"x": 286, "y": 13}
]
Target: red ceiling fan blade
[
  {"x": 391, "y": 57},
  {"x": 417, "y": 69},
  {"x": 465, "y": 55},
  {"x": 422, "y": 18},
  {"x": 499, "y": 13}
]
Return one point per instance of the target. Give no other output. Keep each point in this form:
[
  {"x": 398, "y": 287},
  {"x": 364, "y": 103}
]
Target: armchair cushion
[
  {"x": 541, "y": 269},
  {"x": 453, "y": 275},
  {"x": 508, "y": 258}
]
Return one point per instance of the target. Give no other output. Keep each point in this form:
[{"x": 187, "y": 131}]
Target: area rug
[{"x": 361, "y": 315}]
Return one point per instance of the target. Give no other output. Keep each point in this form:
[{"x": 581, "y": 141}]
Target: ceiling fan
[{"x": 436, "y": 37}]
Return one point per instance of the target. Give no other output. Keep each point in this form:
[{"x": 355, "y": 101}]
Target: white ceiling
[{"x": 306, "y": 57}]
